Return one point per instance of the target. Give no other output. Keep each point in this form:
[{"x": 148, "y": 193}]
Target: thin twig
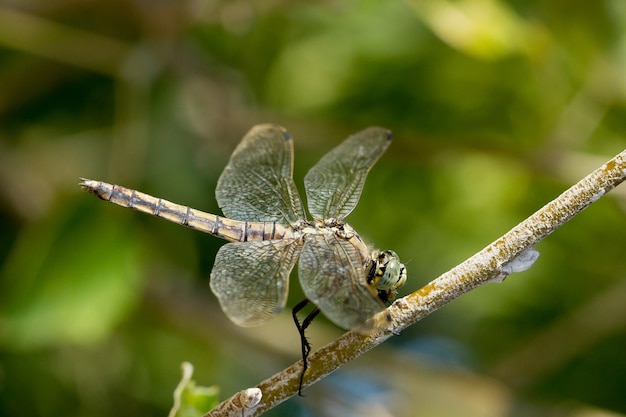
[{"x": 511, "y": 253}]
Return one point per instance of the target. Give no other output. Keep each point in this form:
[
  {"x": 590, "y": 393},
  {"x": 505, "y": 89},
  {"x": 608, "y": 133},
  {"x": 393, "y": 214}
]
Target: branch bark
[{"x": 511, "y": 253}]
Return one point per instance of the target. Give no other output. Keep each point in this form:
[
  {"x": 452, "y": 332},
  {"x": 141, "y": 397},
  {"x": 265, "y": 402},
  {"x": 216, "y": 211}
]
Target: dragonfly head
[{"x": 387, "y": 274}]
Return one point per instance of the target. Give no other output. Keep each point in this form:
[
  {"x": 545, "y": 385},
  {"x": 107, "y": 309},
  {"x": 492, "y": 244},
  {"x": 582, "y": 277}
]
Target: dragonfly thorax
[
  {"x": 387, "y": 274},
  {"x": 341, "y": 230}
]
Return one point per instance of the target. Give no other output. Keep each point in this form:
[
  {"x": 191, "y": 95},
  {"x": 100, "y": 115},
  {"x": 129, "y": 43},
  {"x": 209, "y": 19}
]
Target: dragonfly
[{"x": 265, "y": 222}]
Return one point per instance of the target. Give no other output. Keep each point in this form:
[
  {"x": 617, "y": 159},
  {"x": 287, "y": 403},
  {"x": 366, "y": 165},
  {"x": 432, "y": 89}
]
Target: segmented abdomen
[{"x": 225, "y": 228}]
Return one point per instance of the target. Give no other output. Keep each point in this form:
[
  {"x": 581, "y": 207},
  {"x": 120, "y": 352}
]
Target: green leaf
[{"x": 191, "y": 400}]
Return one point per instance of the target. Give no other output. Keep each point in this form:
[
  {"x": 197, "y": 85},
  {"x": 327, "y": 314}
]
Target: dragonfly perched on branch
[{"x": 269, "y": 232}]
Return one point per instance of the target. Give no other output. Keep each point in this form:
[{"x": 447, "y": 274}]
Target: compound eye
[{"x": 393, "y": 272}]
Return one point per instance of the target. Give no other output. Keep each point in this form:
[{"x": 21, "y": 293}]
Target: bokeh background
[{"x": 496, "y": 108}]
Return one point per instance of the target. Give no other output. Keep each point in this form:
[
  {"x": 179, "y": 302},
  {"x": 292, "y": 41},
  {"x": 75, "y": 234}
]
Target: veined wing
[
  {"x": 257, "y": 183},
  {"x": 333, "y": 186},
  {"x": 251, "y": 279},
  {"x": 332, "y": 276}
]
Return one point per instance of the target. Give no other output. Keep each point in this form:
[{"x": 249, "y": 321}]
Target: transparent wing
[
  {"x": 333, "y": 277},
  {"x": 251, "y": 279},
  {"x": 333, "y": 186},
  {"x": 257, "y": 183}
]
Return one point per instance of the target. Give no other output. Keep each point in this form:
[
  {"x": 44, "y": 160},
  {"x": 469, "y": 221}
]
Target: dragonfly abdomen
[{"x": 225, "y": 228}]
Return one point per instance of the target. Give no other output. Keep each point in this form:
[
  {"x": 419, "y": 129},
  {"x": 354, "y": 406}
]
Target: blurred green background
[{"x": 496, "y": 108}]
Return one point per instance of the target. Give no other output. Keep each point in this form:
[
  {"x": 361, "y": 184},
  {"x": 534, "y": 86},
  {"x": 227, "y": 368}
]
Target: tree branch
[{"x": 511, "y": 253}]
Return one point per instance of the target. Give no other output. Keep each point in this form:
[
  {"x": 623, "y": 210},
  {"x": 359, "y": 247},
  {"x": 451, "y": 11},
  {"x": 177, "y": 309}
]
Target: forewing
[
  {"x": 251, "y": 279},
  {"x": 333, "y": 186},
  {"x": 332, "y": 276},
  {"x": 257, "y": 183}
]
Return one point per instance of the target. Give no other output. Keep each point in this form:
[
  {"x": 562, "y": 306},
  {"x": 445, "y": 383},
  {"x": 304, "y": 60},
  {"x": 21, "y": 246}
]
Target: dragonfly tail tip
[{"x": 87, "y": 184}]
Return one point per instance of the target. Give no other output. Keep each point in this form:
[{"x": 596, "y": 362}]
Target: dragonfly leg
[{"x": 304, "y": 343}]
